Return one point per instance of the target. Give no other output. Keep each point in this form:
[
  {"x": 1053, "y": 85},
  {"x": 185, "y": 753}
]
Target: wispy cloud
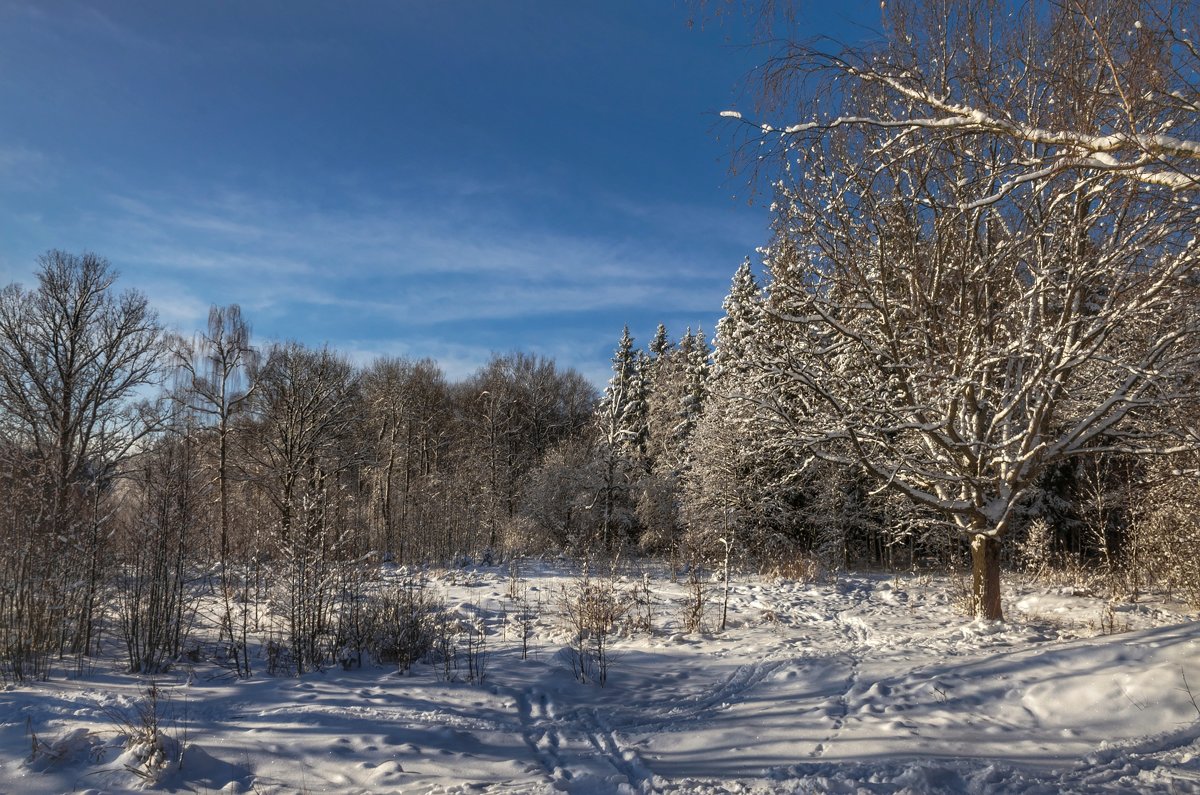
[
  {"x": 378, "y": 276},
  {"x": 26, "y": 169},
  {"x": 396, "y": 258}
]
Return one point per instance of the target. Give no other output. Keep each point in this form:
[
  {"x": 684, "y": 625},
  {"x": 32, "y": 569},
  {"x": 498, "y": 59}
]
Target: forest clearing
[{"x": 847, "y": 683}]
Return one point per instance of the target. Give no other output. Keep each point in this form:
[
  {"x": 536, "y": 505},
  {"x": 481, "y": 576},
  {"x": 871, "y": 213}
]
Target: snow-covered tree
[
  {"x": 621, "y": 430},
  {"x": 622, "y": 410},
  {"x": 742, "y": 483},
  {"x": 661, "y": 345},
  {"x": 985, "y": 258},
  {"x": 696, "y": 365}
]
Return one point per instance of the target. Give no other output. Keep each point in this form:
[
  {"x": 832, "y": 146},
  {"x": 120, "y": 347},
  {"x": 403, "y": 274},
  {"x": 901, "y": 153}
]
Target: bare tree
[
  {"x": 218, "y": 365},
  {"x": 218, "y": 385},
  {"x": 407, "y": 413},
  {"x": 74, "y": 357},
  {"x": 308, "y": 407},
  {"x": 985, "y": 259},
  {"x": 515, "y": 409},
  {"x": 158, "y": 519}
]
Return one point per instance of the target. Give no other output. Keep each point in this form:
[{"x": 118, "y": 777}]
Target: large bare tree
[
  {"x": 985, "y": 259},
  {"x": 74, "y": 359}
]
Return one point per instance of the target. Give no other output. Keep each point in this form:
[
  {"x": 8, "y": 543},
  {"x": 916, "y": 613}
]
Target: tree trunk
[{"x": 985, "y": 580}]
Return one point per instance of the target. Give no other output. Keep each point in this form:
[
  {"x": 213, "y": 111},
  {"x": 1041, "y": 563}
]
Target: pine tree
[
  {"x": 622, "y": 410},
  {"x": 661, "y": 345},
  {"x": 736, "y": 329}
]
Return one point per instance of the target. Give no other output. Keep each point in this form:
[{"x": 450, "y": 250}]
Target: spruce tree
[{"x": 621, "y": 421}]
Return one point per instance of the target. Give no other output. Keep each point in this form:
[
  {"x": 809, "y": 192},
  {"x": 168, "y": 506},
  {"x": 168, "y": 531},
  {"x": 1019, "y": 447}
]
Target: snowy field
[{"x": 863, "y": 683}]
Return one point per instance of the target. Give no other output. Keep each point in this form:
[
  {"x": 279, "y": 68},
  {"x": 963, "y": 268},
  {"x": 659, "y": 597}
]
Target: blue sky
[{"x": 441, "y": 179}]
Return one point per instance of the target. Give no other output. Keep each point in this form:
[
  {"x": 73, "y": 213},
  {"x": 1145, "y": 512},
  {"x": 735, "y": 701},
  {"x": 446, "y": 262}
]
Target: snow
[{"x": 856, "y": 684}]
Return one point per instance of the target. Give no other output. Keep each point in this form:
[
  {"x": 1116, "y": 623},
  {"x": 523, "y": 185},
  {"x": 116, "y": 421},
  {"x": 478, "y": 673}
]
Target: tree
[
  {"x": 623, "y": 406},
  {"x": 217, "y": 368},
  {"x": 742, "y": 482},
  {"x": 621, "y": 428},
  {"x": 159, "y": 513},
  {"x": 556, "y": 497},
  {"x": 407, "y": 417},
  {"x": 74, "y": 357},
  {"x": 308, "y": 410},
  {"x": 985, "y": 258},
  {"x": 676, "y": 387},
  {"x": 694, "y": 393},
  {"x": 515, "y": 409},
  {"x": 659, "y": 382},
  {"x": 217, "y": 365}
]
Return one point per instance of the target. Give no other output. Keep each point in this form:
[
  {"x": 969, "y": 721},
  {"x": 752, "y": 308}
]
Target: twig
[{"x": 1188, "y": 689}]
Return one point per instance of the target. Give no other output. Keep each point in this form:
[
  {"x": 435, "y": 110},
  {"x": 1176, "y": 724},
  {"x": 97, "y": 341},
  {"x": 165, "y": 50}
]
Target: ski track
[
  {"x": 850, "y": 643},
  {"x": 855, "y": 636},
  {"x": 578, "y": 750},
  {"x": 542, "y": 735},
  {"x": 687, "y": 711}
]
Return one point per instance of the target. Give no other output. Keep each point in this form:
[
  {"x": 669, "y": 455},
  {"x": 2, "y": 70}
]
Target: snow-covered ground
[{"x": 861, "y": 683}]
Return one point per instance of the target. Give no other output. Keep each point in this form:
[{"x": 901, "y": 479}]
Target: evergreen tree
[
  {"x": 661, "y": 345},
  {"x": 622, "y": 410},
  {"x": 742, "y": 481},
  {"x": 696, "y": 367},
  {"x": 735, "y": 330},
  {"x": 621, "y": 422}
]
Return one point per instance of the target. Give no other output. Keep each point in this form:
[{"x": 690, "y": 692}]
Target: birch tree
[
  {"x": 217, "y": 368},
  {"x": 985, "y": 258}
]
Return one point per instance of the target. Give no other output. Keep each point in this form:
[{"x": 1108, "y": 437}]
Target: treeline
[{"x": 132, "y": 459}]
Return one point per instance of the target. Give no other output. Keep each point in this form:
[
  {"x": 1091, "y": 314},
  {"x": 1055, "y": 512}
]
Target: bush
[
  {"x": 405, "y": 625},
  {"x": 591, "y": 610}
]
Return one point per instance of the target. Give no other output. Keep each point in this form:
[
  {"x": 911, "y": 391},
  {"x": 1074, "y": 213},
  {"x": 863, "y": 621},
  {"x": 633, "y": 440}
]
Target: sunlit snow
[{"x": 864, "y": 683}]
